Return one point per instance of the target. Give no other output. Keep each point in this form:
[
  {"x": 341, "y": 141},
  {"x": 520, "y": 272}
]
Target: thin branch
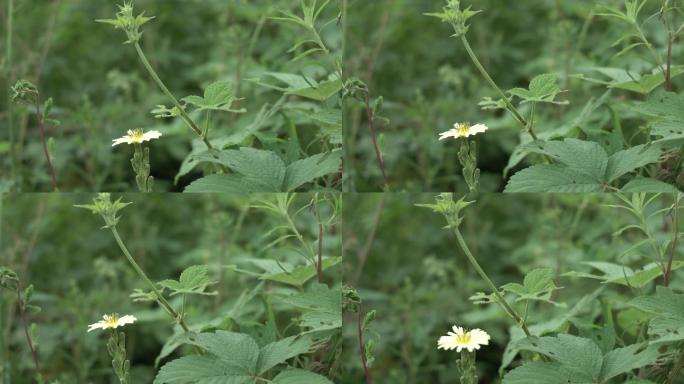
[
  {"x": 362, "y": 349},
  {"x": 41, "y": 123},
  {"x": 319, "y": 264},
  {"x": 371, "y": 126},
  {"x": 29, "y": 341}
]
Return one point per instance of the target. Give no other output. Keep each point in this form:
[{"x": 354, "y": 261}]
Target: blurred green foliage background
[
  {"x": 428, "y": 83},
  {"x": 411, "y": 270},
  {"x": 101, "y": 89},
  {"x": 79, "y": 274}
]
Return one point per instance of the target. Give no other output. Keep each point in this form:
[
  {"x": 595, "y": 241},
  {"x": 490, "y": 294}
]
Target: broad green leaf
[
  {"x": 643, "y": 184},
  {"x": 193, "y": 280},
  {"x": 631, "y": 159},
  {"x": 585, "y": 157},
  {"x": 278, "y": 352},
  {"x": 298, "y": 276},
  {"x": 321, "y": 307},
  {"x": 306, "y": 170},
  {"x": 260, "y": 171},
  {"x": 299, "y": 376},
  {"x": 577, "y": 355},
  {"x": 538, "y": 285},
  {"x": 218, "y": 96},
  {"x": 541, "y": 373},
  {"x": 543, "y": 89},
  {"x": 632, "y": 81},
  {"x": 231, "y": 184},
  {"x": 552, "y": 178},
  {"x": 666, "y": 108},
  {"x": 234, "y": 349},
  {"x": 668, "y": 309},
  {"x": 627, "y": 359},
  {"x": 619, "y": 274},
  {"x": 303, "y": 86},
  {"x": 201, "y": 370}
]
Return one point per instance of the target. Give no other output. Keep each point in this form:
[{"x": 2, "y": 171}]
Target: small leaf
[
  {"x": 543, "y": 89},
  {"x": 193, "y": 280}
]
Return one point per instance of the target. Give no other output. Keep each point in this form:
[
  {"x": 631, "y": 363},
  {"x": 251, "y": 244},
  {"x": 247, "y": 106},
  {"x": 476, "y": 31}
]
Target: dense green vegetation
[
  {"x": 581, "y": 79},
  {"x": 584, "y": 272},
  {"x": 249, "y": 286},
  {"x": 257, "y": 81}
]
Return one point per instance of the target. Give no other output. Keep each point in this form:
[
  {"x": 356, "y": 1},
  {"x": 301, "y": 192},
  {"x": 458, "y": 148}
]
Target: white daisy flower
[
  {"x": 112, "y": 321},
  {"x": 136, "y": 136},
  {"x": 461, "y": 339},
  {"x": 463, "y": 130}
]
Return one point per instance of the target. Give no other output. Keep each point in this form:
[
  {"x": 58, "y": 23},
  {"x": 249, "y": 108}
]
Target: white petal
[
  {"x": 458, "y": 330},
  {"x": 122, "y": 140},
  {"x": 128, "y": 319},
  {"x": 99, "y": 324},
  {"x": 478, "y": 128},
  {"x": 151, "y": 135}
]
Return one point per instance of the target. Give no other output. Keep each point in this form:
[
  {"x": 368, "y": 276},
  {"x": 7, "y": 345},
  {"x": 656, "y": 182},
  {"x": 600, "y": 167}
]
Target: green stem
[
  {"x": 511, "y": 108},
  {"x": 160, "y": 299},
  {"x": 507, "y": 307},
  {"x": 162, "y": 86}
]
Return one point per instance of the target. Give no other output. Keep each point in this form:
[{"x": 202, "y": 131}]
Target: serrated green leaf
[
  {"x": 321, "y": 307},
  {"x": 193, "y": 280},
  {"x": 631, "y": 159},
  {"x": 538, "y": 284},
  {"x": 304, "y": 86},
  {"x": 627, "y": 359},
  {"x": 541, "y": 373},
  {"x": 643, "y": 184},
  {"x": 543, "y": 89},
  {"x": 298, "y": 276},
  {"x": 218, "y": 96},
  {"x": 201, "y": 370},
  {"x": 306, "y": 170},
  {"x": 577, "y": 355},
  {"x": 278, "y": 352},
  {"x": 299, "y": 376},
  {"x": 551, "y": 178}
]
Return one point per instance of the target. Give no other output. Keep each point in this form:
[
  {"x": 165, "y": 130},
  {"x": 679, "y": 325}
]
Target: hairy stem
[
  {"x": 160, "y": 299},
  {"x": 41, "y": 124},
  {"x": 374, "y": 140},
  {"x": 510, "y": 311},
  {"x": 362, "y": 349},
  {"x": 184, "y": 115},
  {"x": 27, "y": 334},
  {"x": 511, "y": 108}
]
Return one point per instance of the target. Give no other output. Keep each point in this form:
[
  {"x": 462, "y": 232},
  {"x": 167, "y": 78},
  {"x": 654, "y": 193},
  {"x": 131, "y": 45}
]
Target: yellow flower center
[
  {"x": 136, "y": 135},
  {"x": 463, "y": 130},
  {"x": 111, "y": 321},
  {"x": 464, "y": 339}
]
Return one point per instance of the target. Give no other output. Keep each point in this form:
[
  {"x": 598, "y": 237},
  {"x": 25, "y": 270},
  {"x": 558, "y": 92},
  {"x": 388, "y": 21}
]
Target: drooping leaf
[
  {"x": 300, "y": 85},
  {"x": 278, "y": 352},
  {"x": 193, "y": 280},
  {"x": 321, "y": 307},
  {"x": 300, "y": 376},
  {"x": 218, "y": 96},
  {"x": 306, "y": 170},
  {"x": 543, "y": 89}
]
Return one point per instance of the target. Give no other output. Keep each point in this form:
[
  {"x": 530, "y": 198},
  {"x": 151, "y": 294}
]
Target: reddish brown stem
[
  {"x": 22, "y": 315},
  {"x": 362, "y": 350},
  {"x": 41, "y": 124},
  {"x": 371, "y": 126}
]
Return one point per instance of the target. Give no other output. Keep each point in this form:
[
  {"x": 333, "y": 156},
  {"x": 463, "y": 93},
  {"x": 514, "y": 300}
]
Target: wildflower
[
  {"x": 463, "y": 130},
  {"x": 461, "y": 339},
  {"x": 136, "y": 136},
  {"x": 112, "y": 321}
]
